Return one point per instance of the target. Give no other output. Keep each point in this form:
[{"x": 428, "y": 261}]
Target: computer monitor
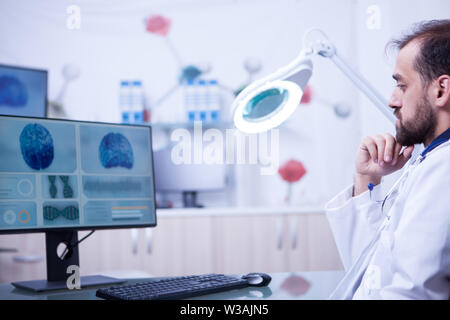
[
  {"x": 23, "y": 91},
  {"x": 187, "y": 179},
  {"x": 61, "y": 176}
]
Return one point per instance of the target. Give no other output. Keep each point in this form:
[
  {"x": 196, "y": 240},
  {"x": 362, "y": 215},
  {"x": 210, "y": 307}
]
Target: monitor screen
[
  {"x": 186, "y": 177},
  {"x": 59, "y": 174},
  {"x": 23, "y": 91}
]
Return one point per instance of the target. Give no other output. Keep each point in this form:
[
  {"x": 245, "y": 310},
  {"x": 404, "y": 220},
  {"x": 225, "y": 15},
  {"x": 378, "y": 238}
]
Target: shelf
[
  {"x": 238, "y": 211},
  {"x": 190, "y": 125}
]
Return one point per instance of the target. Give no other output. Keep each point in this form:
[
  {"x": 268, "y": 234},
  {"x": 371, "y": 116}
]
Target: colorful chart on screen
[{"x": 74, "y": 174}]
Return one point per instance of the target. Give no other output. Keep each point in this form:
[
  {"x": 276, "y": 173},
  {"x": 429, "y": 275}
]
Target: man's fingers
[
  {"x": 398, "y": 148},
  {"x": 371, "y": 147},
  {"x": 381, "y": 144},
  {"x": 408, "y": 151},
  {"x": 384, "y": 151},
  {"x": 405, "y": 155},
  {"x": 389, "y": 148}
]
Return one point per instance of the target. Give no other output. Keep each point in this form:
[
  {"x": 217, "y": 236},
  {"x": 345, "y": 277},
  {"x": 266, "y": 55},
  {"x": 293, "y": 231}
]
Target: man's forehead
[{"x": 404, "y": 67}]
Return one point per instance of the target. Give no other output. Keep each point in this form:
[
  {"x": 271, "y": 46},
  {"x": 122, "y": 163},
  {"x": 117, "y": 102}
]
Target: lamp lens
[{"x": 265, "y": 104}]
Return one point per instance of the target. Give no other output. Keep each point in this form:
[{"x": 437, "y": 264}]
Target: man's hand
[{"x": 378, "y": 156}]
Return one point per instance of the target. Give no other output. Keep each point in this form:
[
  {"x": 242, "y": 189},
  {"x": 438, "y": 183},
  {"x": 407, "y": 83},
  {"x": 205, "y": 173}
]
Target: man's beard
[{"x": 421, "y": 126}]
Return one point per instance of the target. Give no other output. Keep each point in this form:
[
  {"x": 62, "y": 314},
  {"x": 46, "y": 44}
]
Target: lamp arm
[
  {"x": 359, "y": 81},
  {"x": 326, "y": 49}
]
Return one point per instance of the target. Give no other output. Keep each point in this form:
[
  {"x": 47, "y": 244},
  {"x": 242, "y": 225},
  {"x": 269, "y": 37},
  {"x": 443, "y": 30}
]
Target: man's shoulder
[
  {"x": 439, "y": 155},
  {"x": 436, "y": 164}
]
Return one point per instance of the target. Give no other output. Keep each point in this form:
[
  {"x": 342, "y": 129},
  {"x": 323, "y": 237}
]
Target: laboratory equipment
[
  {"x": 214, "y": 101},
  {"x": 160, "y": 25},
  {"x": 137, "y": 99},
  {"x": 125, "y": 102},
  {"x": 56, "y": 109},
  {"x": 131, "y": 101},
  {"x": 202, "y": 100},
  {"x": 187, "y": 178},
  {"x": 269, "y": 101}
]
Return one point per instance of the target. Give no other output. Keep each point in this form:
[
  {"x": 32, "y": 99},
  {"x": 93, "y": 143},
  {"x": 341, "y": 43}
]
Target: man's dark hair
[{"x": 433, "y": 60}]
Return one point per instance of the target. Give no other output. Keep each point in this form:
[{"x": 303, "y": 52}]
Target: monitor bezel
[
  {"x": 81, "y": 228},
  {"x": 46, "y": 85}
]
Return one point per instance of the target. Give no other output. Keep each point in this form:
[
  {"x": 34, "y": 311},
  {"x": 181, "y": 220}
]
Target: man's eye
[{"x": 401, "y": 86}]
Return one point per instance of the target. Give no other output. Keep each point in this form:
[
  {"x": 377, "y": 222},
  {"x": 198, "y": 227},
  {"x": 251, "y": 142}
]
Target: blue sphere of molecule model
[
  {"x": 115, "y": 151},
  {"x": 36, "y": 145}
]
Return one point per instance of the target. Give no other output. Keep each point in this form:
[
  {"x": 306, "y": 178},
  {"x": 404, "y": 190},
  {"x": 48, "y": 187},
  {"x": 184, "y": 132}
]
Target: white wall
[{"x": 112, "y": 45}]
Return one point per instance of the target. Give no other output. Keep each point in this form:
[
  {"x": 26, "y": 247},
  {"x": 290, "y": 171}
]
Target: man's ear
[{"x": 441, "y": 91}]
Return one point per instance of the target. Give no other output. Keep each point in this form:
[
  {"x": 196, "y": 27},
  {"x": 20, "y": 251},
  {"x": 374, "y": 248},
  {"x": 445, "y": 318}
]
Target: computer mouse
[{"x": 257, "y": 279}]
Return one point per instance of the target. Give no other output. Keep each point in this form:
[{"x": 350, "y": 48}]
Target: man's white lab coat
[{"x": 403, "y": 250}]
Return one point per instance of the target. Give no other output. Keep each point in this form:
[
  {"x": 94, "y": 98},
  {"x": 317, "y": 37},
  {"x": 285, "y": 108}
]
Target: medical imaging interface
[
  {"x": 58, "y": 174},
  {"x": 23, "y": 91}
]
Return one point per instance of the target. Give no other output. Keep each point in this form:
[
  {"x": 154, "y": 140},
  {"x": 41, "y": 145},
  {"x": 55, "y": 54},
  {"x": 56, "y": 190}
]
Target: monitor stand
[
  {"x": 190, "y": 200},
  {"x": 57, "y": 268}
]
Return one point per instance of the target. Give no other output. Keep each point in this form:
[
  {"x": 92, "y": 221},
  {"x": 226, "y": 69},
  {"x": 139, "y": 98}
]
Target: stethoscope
[
  {"x": 393, "y": 192},
  {"x": 396, "y": 187}
]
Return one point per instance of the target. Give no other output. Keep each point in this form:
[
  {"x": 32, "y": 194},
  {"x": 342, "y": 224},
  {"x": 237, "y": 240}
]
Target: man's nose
[{"x": 394, "y": 101}]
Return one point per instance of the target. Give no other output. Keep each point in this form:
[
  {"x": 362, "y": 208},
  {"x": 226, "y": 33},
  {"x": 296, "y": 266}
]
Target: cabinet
[
  {"x": 310, "y": 244},
  {"x": 194, "y": 241},
  {"x": 176, "y": 246},
  {"x": 275, "y": 244},
  {"x": 28, "y": 262},
  {"x": 180, "y": 246}
]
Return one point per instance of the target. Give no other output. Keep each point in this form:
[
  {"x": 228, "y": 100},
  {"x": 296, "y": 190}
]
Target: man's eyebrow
[{"x": 397, "y": 77}]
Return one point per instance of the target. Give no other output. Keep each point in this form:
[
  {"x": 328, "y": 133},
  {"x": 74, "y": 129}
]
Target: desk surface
[{"x": 284, "y": 286}]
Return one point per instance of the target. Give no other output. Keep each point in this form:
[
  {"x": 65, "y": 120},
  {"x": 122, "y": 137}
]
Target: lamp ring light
[{"x": 268, "y": 102}]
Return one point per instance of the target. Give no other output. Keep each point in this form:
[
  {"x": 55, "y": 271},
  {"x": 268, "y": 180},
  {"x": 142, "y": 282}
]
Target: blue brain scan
[
  {"x": 115, "y": 151},
  {"x": 12, "y": 92},
  {"x": 36, "y": 145}
]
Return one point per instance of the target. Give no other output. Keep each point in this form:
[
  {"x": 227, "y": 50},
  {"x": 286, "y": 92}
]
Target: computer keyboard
[{"x": 173, "y": 288}]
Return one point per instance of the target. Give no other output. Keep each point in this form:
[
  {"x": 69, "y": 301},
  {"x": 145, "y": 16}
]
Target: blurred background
[{"x": 90, "y": 47}]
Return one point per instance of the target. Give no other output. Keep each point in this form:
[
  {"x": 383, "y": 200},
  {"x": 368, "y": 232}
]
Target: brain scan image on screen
[
  {"x": 23, "y": 91},
  {"x": 13, "y": 92},
  {"x": 115, "y": 151},
  {"x": 36, "y": 145}
]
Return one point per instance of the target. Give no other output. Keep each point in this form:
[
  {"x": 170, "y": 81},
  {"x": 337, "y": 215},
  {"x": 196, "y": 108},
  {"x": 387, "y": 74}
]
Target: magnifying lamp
[{"x": 267, "y": 102}]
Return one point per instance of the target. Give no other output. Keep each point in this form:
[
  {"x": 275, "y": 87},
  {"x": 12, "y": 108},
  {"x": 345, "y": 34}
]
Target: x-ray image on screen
[
  {"x": 28, "y": 146},
  {"x": 117, "y": 150}
]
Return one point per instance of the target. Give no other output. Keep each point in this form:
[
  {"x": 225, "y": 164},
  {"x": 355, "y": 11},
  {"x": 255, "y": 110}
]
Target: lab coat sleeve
[
  {"x": 421, "y": 242},
  {"x": 354, "y": 221}
]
